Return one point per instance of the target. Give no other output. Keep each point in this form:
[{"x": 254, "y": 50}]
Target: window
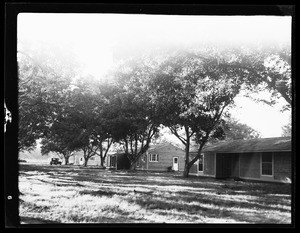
[
  {"x": 200, "y": 163},
  {"x": 92, "y": 158},
  {"x": 267, "y": 164},
  {"x": 153, "y": 157},
  {"x": 175, "y": 160}
]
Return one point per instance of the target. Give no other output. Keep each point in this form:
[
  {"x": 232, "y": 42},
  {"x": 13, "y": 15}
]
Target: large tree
[
  {"x": 40, "y": 90},
  {"x": 192, "y": 92},
  {"x": 135, "y": 117},
  {"x": 62, "y": 134},
  {"x": 44, "y": 77},
  {"x": 72, "y": 125},
  {"x": 60, "y": 147},
  {"x": 83, "y": 115},
  {"x": 102, "y": 122}
]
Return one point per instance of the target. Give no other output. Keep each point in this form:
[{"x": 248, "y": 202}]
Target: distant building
[
  {"x": 264, "y": 159},
  {"x": 162, "y": 157},
  {"x": 78, "y": 159}
]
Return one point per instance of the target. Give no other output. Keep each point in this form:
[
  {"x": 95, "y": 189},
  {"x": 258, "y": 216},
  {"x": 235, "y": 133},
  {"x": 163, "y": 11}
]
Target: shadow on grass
[
  {"x": 163, "y": 179},
  {"x": 219, "y": 208},
  {"x": 101, "y": 193},
  {"x": 261, "y": 203},
  {"x": 31, "y": 220}
]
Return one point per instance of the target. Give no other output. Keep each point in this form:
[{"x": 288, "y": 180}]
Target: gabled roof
[
  {"x": 251, "y": 145},
  {"x": 161, "y": 145}
]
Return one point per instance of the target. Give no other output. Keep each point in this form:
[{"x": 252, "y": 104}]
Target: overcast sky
[{"x": 99, "y": 40}]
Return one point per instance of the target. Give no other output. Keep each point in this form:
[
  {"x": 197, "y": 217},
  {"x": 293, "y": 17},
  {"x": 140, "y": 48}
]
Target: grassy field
[{"x": 69, "y": 194}]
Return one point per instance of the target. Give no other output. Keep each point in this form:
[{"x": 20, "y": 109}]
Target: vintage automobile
[
  {"x": 55, "y": 161},
  {"x": 22, "y": 161}
]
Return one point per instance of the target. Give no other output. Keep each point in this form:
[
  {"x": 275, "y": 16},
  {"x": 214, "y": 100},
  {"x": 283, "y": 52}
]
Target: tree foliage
[
  {"x": 187, "y": 91},
  {"x": 287, "y": 129},
  {"x": 234, "y": 130},
  {"x": 64, "y": 134},
  {"x": 192, "y": 92},
  {"x": 40, "y": 91},
  {"x": 268, "y": 68},
  {"x": 135, "y": 118}
]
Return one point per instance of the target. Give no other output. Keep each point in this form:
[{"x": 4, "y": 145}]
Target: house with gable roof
[
  {"x": 162, "y": 157},
  {"x": 263, "y": 159}
]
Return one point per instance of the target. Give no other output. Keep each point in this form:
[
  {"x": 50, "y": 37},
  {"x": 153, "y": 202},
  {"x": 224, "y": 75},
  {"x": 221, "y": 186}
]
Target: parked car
[
  {"x": 22, "y": 161},
  {"x": 55, "y": 161}
]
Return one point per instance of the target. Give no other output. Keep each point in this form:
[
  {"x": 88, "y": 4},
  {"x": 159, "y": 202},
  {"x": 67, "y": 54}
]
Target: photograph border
[{"x": 10, "y": 159}]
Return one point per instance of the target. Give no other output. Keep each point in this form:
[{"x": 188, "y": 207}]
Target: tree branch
[
  {"x": 109, "y": 143},
  {"x": 183, "y": 140},
  {"x": 199, "y": 149},
  {"x": 271, "y": 84}
]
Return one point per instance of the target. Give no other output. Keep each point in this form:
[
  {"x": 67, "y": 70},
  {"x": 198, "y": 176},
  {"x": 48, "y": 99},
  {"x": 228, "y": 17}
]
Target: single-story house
[
  {"x": 162, "y": 157},
  {"x": 264, "y": 159},
  {"x": 78, "y": 159},
  {"x": 117, "y": 161}
]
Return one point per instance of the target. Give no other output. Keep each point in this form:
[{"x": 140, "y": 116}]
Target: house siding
[
  {"x": 94, "y": 161},
  {"x": 249, "y": 165},
  {"x": 209, "y": 163},
  {"x": 236, "y": 165},
  {"x": 166, "y": 155},
  {"x": 282, "y": 166},
  {"x": 194, "y": 169},
  {"x": 165, "y": 159},
  {"x": 244, "y": 159},
  {"x": 142, "y": 162}
]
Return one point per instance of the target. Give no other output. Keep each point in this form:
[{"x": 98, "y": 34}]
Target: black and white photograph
[{"x": 137, "y": 118}]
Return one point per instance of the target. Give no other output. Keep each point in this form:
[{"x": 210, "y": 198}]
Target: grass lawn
[{"x": 70, "y": 194}]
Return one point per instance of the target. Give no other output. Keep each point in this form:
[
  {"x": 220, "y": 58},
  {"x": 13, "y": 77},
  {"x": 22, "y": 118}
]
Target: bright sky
[
  {"x": 261, "y": 117},
  {"x": 99, "y": 40}
]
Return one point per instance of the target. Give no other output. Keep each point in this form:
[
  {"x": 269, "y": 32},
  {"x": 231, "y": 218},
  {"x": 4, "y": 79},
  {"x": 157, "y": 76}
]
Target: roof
[
  {"x": 117, "y": 153},
  {"x": 153, "y": 147},
  {"x": 251, "y": 145},
  {"x": 161, "y": 145}
]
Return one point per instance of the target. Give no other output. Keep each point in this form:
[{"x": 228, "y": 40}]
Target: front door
[{"x": 175, "y": 163}]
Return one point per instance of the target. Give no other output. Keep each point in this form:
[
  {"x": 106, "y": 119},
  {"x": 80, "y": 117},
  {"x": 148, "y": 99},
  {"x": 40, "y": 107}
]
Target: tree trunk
[
  {"x": 186, "y": 170},
  {"x": 131, "y": 168},
  {"x": 187, "y": 154},
  {"x": 187, "y": 163},
  {"x": 137, "y": 156},
  {"x": 101, "y": 155},
  {"x": 85, "y": 162},
  {"x": 132, "y": 165},
  {"x": 66, "y": 160},
  {"x": 126, "y": 147},
  {"x": 102, "y": 161}
]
